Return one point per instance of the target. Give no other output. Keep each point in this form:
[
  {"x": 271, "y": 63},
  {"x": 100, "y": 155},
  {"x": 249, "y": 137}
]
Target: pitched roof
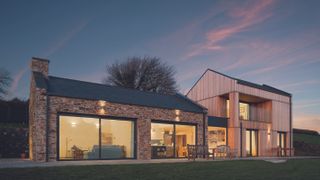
[
  {"x": 63, "y": 87},
  {"x": 251, "y": 84}
]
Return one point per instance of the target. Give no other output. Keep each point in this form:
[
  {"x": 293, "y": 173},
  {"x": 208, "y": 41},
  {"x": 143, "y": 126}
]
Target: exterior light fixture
[
  {"x": 177, "y": 112},
  {"x": 102, "y": 103}
]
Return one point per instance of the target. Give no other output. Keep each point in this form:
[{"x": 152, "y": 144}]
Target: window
[
  {"x": 281, "y": 142},
  {"x": 162, "y": 140},
  {"x": 171, "y": 140},
  {"x": 244, "y": 111},
  {"x": 117, "y": 139},
  {"x": 252, "y": 142},
  {"x": 94, "y": 138},
  {"x": 185, "y": 134},
  {"x": 216, "y": 136},
  {"x": 228, "y": 109},
  {"x": 79, "y": 136}
]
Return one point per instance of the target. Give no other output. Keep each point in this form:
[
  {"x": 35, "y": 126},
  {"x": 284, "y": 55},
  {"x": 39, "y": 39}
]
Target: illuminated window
[
  {"x": 117, "y": 139},
  {"x": 171, "y": 140},
  {"x": 244, "y": 111},
  {"x": 79, "y": 136},
  {"x": 216, "y": 136},
  {"x": 95, "y": 138},
  {"x": 252, "y": 142},
  {"x": 228, "y": 109}
]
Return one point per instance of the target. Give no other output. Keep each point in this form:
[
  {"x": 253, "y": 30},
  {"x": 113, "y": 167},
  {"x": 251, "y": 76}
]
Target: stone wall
[{"x": 144, "y": 115}]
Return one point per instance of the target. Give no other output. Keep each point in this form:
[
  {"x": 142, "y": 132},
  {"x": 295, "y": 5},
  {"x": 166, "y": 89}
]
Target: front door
[{"x": 252, "y": 142}]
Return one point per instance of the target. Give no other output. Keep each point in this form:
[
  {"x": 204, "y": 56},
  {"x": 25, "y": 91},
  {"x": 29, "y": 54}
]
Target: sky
[{"x": 274, "y": 42}]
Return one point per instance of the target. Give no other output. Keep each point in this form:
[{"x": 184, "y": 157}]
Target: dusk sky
[{"x": 266, "y": 42}]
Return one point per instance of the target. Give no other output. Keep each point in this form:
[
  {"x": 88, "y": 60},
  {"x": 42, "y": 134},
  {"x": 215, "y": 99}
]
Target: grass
[
  {"x": 307, "y": 138},
  {"x": 293, "y": 169}
]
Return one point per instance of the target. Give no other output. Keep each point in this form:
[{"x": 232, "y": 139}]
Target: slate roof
[{"x": 63, "y": 87}]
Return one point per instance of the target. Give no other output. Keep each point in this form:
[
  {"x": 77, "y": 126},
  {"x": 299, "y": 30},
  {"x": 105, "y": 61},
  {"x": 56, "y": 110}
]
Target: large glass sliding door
[
  {"x": 170, "y": 140},
  {"x": 83, "y": 138},
  {"x": 78, "y": 137},
  {"x": 185, "y": 134},
  {"x": 252, "y": 142},
  {"x": 162, "y": 142}
]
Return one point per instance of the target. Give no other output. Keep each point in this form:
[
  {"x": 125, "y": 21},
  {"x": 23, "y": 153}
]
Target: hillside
[{"x": 306, "y": 142}]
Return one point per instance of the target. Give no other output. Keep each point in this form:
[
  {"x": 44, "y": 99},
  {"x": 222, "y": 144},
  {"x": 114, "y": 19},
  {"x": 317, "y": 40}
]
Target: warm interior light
[{"x": 73, "y": 124}]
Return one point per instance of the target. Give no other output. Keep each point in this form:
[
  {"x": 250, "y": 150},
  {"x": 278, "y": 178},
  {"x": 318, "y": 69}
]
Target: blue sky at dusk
[{"x": 274, "y": 42}]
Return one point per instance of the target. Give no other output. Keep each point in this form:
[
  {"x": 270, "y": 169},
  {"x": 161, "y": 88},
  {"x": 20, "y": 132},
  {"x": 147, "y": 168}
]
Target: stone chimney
[{"x": 40, "y": 65}]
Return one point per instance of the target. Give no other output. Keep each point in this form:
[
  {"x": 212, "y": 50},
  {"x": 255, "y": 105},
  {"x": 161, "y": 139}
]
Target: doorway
[{"x": 252, "y": 142}]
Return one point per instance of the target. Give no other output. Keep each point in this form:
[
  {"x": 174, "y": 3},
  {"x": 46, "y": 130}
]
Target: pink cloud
[
  {"x": 242, "y": 19},
  {"x": 311, "y": 122}
]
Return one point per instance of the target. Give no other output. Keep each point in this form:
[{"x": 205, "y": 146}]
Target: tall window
[
  {"x": 252, "y": 142},
  {"x": 281, "y": 142},
  {"x": 170, "y": 140},
  {"x": 228, "y": 109},
  {"x": 95, "y": 138},
  {"x": 185, "y": 134},
  {"x": 162, "y": 141},
  {"x": 244, "y": 111}
]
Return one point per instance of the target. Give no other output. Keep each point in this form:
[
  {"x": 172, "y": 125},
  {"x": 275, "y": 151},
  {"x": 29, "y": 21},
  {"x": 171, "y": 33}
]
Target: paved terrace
[{"x": 25, "y": 163}]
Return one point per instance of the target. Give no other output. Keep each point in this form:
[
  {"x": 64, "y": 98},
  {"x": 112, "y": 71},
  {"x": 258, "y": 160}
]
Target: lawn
[{"x": 293, "y": 169}]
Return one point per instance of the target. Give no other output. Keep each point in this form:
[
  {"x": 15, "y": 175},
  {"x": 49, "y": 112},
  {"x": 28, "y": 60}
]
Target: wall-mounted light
[
  {"x": 269, "y": 133},
  {"x": 102, "y": 103},
  {"x": 177, "y": 112}
]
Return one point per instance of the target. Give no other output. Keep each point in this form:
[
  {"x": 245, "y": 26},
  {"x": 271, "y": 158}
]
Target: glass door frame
[
  {"x": 98, "y": 117},
  {"x": 174, "y": 123},
  {"x": 257, "y": 141}
]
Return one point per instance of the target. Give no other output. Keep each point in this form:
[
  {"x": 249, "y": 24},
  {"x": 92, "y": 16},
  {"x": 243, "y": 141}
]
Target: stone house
[{"x": 76, "y": 120}]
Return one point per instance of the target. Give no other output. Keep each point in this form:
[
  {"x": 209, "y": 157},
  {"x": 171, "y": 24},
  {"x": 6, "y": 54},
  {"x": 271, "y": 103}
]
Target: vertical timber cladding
[{"x": 275, "y": 115}]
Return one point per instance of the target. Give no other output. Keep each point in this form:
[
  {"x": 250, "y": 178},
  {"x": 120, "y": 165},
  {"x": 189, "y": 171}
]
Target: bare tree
[
  {"x": 5, "y": 81},
  {"x": 145, "y": 74}
]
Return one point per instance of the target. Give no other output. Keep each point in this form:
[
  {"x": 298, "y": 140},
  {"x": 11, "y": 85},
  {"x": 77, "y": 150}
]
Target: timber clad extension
[
  {"x": 76, "y": 120},
  {"x": 246, "y": 107}
]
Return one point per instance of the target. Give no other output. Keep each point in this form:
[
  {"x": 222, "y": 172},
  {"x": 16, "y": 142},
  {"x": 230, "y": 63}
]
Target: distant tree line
[{"x": 14, "y": 111}]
